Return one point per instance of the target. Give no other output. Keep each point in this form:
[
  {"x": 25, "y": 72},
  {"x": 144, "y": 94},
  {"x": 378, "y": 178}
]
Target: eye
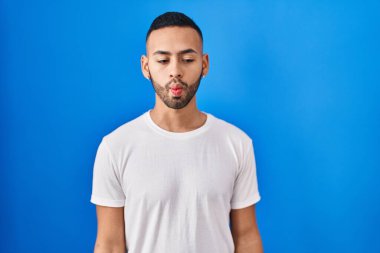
[
  {"x": 188, "y": 60},
  {"x": 162, "y": 61}
]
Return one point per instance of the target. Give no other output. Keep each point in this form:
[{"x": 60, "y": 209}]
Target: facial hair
[{"x": 188, "y": 92}]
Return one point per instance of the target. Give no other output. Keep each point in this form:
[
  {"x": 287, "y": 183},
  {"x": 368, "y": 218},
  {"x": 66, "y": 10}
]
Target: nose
[{"x": 175, "y": 70}]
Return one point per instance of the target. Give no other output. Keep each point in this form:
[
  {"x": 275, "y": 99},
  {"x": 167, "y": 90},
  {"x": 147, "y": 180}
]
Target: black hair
[{"x": 172, "y": 19}]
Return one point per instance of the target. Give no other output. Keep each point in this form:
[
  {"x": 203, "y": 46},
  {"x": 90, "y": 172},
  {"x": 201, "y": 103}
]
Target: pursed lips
[
  {"x": 176, "y": 87},
  {"x": 176, "y": 90}
]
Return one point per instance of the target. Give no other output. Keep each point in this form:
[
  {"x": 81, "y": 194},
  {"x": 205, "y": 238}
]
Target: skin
[
  {"x": 174, "y": 56},
  {"x": 111, "y": 234},
  {"x": 245, "y": 231}
]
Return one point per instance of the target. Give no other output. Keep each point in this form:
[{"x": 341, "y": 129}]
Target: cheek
[
  {"x": 196, "y": 71},
  {"x": 158, "y": 73}
]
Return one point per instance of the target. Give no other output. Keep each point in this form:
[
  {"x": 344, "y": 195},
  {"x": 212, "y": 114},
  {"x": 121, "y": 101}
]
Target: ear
[
  {"x": 145, "y": 67},
  {"x": 205, "y": 64}
]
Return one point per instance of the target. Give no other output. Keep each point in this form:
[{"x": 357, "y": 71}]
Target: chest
[{"x": 179, "y": 171}]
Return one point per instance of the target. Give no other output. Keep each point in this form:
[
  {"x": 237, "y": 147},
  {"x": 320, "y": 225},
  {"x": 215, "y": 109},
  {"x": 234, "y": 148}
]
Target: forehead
[{"x": 174, "y": 39}]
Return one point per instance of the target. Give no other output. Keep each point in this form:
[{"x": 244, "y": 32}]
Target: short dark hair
[{"x": 172, "y": 19}]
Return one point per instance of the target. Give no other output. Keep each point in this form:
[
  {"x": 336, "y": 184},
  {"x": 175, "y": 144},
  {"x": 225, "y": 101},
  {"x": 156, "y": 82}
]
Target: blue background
[{"x": 300, "y": 77}]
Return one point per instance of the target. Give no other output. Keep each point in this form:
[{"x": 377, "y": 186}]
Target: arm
[
  {"x": 245, "y": 231},
  {"x": 111, "y": 233}
]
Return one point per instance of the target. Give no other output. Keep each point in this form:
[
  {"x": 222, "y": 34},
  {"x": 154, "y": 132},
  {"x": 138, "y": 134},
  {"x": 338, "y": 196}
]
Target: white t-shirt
[{"x": 177, "y": 189}]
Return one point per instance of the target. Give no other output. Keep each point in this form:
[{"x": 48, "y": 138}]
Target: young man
[{"x": 173, "y": 179}]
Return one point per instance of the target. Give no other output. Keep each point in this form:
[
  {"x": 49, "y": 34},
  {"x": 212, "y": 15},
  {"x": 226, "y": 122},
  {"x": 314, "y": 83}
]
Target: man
[{"x": 173, "y": 179}]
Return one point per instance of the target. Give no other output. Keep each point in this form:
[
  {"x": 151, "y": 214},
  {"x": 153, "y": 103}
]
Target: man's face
[{"x": 175, "y": 64}]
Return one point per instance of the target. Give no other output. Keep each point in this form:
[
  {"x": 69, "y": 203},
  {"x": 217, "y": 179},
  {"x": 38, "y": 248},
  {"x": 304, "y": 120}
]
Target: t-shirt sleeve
[
  {"x": 246, "y": 188},
  {"x": 106, "y": 186}
]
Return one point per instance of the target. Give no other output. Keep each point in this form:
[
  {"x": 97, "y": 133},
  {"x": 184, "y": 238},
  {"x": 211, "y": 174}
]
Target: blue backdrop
[{"x": 300, "y": 77}]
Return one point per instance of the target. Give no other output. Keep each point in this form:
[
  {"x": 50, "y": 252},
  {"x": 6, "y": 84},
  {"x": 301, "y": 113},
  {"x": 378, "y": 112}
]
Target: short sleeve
[
  {"x": 246, "y": 188},
  {"x": 106, "y": 186}
]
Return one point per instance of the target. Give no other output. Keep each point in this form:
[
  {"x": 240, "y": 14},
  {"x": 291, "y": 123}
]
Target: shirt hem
[
  {"x": 107, "y": 202},
  {"x": 250, "y": 201}
]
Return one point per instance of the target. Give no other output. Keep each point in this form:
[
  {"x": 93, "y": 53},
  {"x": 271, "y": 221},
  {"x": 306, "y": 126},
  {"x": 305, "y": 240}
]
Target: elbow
[
  {"x": 101, "y": 247},
  {"x": 249, "y": 245}
]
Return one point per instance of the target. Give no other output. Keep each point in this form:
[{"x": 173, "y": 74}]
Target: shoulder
[
  {"x": 231, "y": 136},
  {"x": 231, "y": 131},
  {"x": 126, "y": 133}
]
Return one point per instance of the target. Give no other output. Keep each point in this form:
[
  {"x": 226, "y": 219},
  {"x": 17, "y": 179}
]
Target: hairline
[{"x": 173, "y": 26}]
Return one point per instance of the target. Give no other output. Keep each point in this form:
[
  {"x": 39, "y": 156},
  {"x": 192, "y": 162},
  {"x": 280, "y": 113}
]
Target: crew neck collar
[{"x": 177, "y": 135}]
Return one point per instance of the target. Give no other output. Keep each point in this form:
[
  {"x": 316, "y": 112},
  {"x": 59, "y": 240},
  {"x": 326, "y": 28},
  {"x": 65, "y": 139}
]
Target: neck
[{"x": 177, "y": 120}]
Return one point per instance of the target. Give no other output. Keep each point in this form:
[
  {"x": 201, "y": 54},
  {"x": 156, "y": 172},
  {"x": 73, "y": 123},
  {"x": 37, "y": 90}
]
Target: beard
[{"x": 176, "y": 102}]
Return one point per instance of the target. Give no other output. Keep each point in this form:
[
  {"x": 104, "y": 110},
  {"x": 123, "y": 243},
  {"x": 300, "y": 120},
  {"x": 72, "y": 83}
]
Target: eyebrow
[{"x": 186, "y": 51}]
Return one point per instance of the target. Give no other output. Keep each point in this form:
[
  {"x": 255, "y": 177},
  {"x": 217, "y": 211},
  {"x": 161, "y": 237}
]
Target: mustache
[{"x": 176, "y": 80}]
